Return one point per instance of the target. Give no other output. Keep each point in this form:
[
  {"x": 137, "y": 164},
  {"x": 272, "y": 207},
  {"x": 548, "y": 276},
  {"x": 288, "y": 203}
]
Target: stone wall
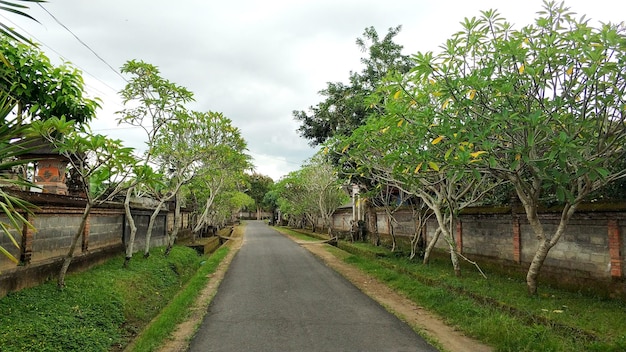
[
  {"x": 592, "y": 246},
  {"x": 56, "y": 220}
]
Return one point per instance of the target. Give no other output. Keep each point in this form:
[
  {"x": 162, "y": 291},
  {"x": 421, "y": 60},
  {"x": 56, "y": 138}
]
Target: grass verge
[
  {"x": 101, "y": 309},
  {"x": 178, "y": 309}
]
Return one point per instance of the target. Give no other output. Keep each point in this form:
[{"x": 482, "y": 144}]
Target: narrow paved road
[{"x": 276, "y": 296}]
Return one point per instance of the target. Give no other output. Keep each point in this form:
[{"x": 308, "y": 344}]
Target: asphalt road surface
[{"x": 276, "y": 296}]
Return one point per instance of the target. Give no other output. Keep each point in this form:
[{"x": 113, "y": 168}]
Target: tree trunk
[
  {"x": 174, "y": 234},
  {"x": 533, "y": 271},
  {"x": 392, "y": 233},
  {"x": 454, "y": 258},
  {"x": 416, "y": 240},
  {"x": 431, "y": 246},
  {"x": 133, "y": 228},
  {"x": 70, "y": 253},
  {"x": 153, "y": 217}
]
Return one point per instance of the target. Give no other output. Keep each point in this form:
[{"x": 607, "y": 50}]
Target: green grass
[
  {"x": 497, "y": 310},
  {"x": 296, "y": 234},
  {"x": 178, "y": 310},
  {"x": 101, "y": 309}
]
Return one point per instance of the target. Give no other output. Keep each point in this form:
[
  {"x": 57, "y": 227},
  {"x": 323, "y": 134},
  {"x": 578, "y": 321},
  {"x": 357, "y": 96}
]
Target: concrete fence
[
  {"x": 56, "y": 220},
  {"x": 592, "y": 247}
]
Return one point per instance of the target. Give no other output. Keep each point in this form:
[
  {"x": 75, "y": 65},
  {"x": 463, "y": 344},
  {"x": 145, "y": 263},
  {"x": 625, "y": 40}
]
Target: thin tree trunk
[
  {"x": 392, "y": 233},
  {"x": 416, "y": 240},
  {"x": 431, "y": 246},
  {"x": 70, "y": 253},
  {"x": 174, "y": 234},
  {"x": 454, "y": 258},
  {"x": 133, "y": 228},
  {"x": 153, "y": 217}
]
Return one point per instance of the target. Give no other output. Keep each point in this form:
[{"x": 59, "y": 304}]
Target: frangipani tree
[
  {"x": 103, "y": 166},
  {"x": 546, "y": 104},
  {"x": 221, "y": 166},
  {"x": 414, "y": 148},
  {"x": 150, "y": 103}
]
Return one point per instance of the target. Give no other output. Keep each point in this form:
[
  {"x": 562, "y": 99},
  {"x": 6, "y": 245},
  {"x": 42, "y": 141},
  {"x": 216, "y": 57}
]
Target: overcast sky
[{"x": 254, "y": 61}]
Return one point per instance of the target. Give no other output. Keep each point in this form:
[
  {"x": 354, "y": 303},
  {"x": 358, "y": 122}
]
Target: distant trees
[
  {"x": 257, "y": 186},
  {"x": 313, "y": 192}
]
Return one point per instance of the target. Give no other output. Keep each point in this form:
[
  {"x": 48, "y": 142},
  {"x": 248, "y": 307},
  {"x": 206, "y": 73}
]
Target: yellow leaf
[
  {"x": 417, "y": 168},
  {"x": 445, "y": 104},
  {"x": 570, "y": 70},
  {"x": 472, "y": 94},
  {"x": 461, "y": 148},
  {"x": 412, "y": 102},
  {"x": 437, "y": 93},
  {"x": 384, "y": 130},
  {"x": 478, "y": 153},
  {"x": 518, "y": 156},
  {"x": 326, "y": 150},
  {"x": 526, "y": 41},
  {"x": 521, "y": 68},
  {"x": 397, "y": 95},
  {"x": 400, "y": 122},
  {"x": 437, "y": 140},
  {"x": 433, "y": 166},
  {"x": 345, "y": 148},
  {"x": 432, "y": 81},
  {"x": 406, "y": 171}
]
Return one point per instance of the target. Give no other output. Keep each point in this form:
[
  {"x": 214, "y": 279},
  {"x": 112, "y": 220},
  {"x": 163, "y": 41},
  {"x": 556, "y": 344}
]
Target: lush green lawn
[{"x": 103, "y": 308}]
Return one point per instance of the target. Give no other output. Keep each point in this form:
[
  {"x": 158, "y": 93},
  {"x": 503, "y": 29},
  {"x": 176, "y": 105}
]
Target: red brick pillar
[
  {"x": 615, "y": 245},
  {"x": 85, "y": 244},
  {"x": 26, "y": 252},
  {"x": 517, "y": 241},
  {"x": 459, "y": 236}
]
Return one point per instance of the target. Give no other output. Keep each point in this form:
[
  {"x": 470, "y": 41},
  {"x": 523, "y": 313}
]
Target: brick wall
[
  {"x": 56, "y": 220},
  {"x": 592, "y": 246}
]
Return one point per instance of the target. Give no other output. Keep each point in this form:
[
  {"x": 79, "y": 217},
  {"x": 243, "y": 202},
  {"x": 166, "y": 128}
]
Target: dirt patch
[
  {"x": 417, "y": 317},
  {"x": 181, "y": 337}
]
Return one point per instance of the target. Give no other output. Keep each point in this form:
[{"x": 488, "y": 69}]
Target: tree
[
  {"x": 258, "y": 186},
  {"x": 102, "y": 165},
  {"x": 343, "y": 108},
  {"x": 313, "y": 192},
  {"x": 151, "y": 102},
  {"x": 291, "y": 198},
  {"x": 222, "y": 164},
  {"x": 545, "y": 103},
  {"x": 43, "y": 91},
  {"x": 421, "y": 146}
]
